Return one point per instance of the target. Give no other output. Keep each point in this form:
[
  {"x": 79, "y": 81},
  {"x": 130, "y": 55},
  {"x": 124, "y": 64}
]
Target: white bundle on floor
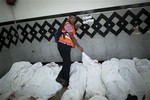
[
  {"x": 71, "y": 95},
  {"x": 7, "y": 81},
  {"x": 97, "y": 97},
  {"x": 42, "y": 84},
  {"x": 77, "y": 80},
  {"x": 130, "y": 74},
  {"x": 25, "y": 75},
  {"x": 117, "y": 88},
  {"x": 25, "y": 80},
  {"x": 143, "y": 68},
  {"x": 94, "y": 85}
]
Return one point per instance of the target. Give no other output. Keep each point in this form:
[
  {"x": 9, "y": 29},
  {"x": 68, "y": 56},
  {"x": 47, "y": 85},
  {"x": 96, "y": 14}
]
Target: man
[{"x": 65, "y": 43}]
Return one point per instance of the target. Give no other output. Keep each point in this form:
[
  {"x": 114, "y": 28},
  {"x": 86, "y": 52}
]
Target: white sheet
[
  {"x": 94, "y": 85},
  {"x": 97, "y": 97},
  {"x": 77, "y": 81},
  {"x": 25, "y": 75},
  {"x": 71, "y": 94},
  {"x": 117, "y": 88},
  {"x": 129, "y": 73},
  {"x": 143, "y": 68},
  {"x": 120, "y": 77},
  {"x": 7, "y": 81},
  {"x": 85, "y": 78},
  {"x": 42, "y": 84},
  {"x": 37, "y": 81}
]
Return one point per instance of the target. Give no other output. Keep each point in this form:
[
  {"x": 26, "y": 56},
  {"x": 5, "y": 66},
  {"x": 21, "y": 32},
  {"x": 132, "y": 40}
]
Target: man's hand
[
  {"x": 81, "y": 49},
  {"x": 77, "y": 26}
]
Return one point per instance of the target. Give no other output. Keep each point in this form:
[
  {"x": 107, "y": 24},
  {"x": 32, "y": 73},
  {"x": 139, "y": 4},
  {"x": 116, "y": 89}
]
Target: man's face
[{"x": 72, "y": 19}]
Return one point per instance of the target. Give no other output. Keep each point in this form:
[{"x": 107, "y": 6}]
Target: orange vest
[{"x": 66, "y": 39}]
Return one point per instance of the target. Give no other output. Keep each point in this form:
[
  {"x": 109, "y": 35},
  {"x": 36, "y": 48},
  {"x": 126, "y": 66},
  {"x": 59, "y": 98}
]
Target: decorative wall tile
[
  {"x": 8, "y": 36},
  {"x": 104, "y": 23}
]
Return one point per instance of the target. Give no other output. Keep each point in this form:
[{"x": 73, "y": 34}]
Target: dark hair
[{"x": 72, "y": 14}]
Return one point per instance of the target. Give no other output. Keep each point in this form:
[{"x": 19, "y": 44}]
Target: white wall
[
  {"x": 35, "y": 8},
  {"x": 5, "y": 12}
]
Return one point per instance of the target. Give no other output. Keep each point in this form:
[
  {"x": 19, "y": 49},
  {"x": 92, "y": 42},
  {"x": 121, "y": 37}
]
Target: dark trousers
[{"x": 64, "y": 51}]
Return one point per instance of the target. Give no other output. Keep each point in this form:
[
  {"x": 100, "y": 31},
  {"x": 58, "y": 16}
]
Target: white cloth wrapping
[
  {"x": 77, "y": 80},
  {"x": 143, "y": 68},
  {"x": 117, "y": 88},
  {"x": 25, "y": 75},
  {"x": 97, "y": 97},
  {"x": 42, "y": 84},
  {"x": 129, "y": 73},
  {"x": 7, "y": 81},
  {"x": 84, "y": 77},
  {"x": 94, "y": 85},
  {"x": 71, "y": 94},
  {"x": 120, "y": 78},
  {"x": 31, "y": 80}
]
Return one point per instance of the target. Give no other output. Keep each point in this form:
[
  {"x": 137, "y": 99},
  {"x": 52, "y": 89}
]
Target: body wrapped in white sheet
[
  {"x": 25, "y": 75},
  {"x": 143, "y": 68},
  {"x": 42, "y": 84},
  {"x": 77, "y": 80},
  {"x": 94, "y": 85},
  {"x": 85, "y": 77},
  {"x": 120, "y": 78},
  {"x": 71, "y": 94},
  {"x": 135, "y": 82},
  {"x": 7, "y": 85},
  {"x": 117, "y": 88},
  {"x": 35, "y": 80}
]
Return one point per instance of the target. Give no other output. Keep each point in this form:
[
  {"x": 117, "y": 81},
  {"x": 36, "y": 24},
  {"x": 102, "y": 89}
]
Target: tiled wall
[
  {"x": 113, "y": 22},
  {"x": 110, "y": 35}
]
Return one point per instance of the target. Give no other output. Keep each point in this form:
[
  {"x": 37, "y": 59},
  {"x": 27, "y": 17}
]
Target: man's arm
[{"x": 75, "y": 41}]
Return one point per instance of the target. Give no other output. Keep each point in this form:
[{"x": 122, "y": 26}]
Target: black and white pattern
[
  {"x": 8, "y": 37},
  {"x": 115, "y": 23}
]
